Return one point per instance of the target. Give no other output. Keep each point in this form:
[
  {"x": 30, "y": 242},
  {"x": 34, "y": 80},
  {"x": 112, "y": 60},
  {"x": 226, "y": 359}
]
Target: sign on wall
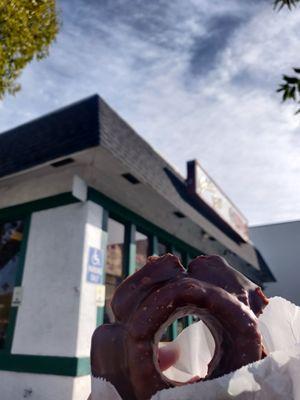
[
  {"x": 17, "y": 296},
  {"x": 202, "y": 186},
  {"x": 95, "y": 267},
  {"x": 100, "y": 295}
]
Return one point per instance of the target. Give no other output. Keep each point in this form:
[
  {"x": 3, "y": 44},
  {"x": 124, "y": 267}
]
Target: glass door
[
  {"x": 11, "y": 234},
  {"x": 114, "y": 263}
]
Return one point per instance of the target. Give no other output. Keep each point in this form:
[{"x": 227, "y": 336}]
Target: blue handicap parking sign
[{"x": 95, "y": 266}]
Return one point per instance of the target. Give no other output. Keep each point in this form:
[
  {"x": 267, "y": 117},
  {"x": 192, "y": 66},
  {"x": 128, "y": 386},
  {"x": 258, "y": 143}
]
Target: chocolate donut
[{"x": 125, "y": 352}]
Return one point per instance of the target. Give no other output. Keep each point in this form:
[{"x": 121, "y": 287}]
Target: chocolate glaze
[{"x": 125, "y": 353}]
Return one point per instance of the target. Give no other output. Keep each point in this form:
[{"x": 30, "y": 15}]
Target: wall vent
[
  {"x": 179, "y": 214},
  {"x": 131, "y": 178},
  {"x": 60, "y": 163}
]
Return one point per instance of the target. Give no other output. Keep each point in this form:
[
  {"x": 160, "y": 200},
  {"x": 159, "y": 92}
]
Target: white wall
[
  {"x": 37, "y": 184},
  {"x": 58, "y": 312},
  {"x": 280, "y": 247},
  {"x": 19, "y": 386},
  {"x": 96, "y": 238}
]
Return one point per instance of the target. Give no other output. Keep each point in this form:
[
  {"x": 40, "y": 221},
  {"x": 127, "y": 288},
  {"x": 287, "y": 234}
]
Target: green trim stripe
[
  {"x": 154, "y": 245},
  {"x": 23, "y": 210},
  {"x": 174, "y": 330},
  {"x": 50, "y": 365},
  {"x": 104, "y": 226},
  {"x": 130, "y": 249}
]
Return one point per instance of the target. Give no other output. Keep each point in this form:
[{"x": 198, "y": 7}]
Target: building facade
[
  {"x": 83, "y": 202},
  {"x": 279, "y": 243}
]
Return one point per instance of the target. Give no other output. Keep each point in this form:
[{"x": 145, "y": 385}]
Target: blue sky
[{"x": 196, "y": 78}]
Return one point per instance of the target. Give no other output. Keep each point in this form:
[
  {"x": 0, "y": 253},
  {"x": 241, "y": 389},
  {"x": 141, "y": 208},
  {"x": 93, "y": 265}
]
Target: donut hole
[{"x": 186, "y": 358}]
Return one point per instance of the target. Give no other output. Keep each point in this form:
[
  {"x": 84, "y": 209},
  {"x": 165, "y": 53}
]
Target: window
[
  {"x": 11, "y": 234},
  {"x": 142, "y": 249},
  {"x": 114, "y": 263},
  {"x": 167, "y": 335},
  {"x": 161, "y": 249},
  {"x": 182, "y": 323}
]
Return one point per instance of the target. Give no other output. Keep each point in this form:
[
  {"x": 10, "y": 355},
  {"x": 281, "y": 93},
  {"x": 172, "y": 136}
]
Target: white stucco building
[{"x": 83, "y": 201}]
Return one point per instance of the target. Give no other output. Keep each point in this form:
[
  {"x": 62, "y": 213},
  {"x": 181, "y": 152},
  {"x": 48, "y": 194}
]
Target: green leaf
[
  {"x": 285, "y": 95},
  {"x": 293, "y": 93},
  {"x": 291, "y": 79},
  {"x": 280, "y": 89}
]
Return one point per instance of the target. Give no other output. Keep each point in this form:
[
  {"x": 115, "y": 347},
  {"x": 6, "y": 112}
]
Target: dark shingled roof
[{"x": 55, "y": 135}]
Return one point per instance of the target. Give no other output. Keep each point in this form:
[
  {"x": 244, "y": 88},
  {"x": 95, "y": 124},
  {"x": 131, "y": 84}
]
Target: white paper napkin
[
  {"x": 275, "y": 377},
  {"x": 196, "y": 348}
]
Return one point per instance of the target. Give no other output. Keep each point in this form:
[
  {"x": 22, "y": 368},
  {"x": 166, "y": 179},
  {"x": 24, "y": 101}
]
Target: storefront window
[
  {"x": 181, "y": 324},
  {"x": 162, "y": 249},
  {"x": 142, "y": 249},
  {"x": 114, "y": 263},
  {"x": 11, "y": 234},
  {"x": 167, "y": 335}
]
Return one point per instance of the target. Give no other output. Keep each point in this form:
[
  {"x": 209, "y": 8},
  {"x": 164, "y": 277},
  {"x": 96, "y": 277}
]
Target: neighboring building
[
  {"x": 280, "y": 246},
  {"x": 83, "y": 201}
]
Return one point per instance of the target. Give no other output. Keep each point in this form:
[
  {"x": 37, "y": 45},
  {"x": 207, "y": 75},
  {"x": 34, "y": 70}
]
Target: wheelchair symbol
[{"x": 95, "y": 259}]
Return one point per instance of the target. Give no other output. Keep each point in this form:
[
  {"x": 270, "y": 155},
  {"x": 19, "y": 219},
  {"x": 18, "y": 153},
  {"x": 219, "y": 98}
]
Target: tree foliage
[
  {"x": 285, "y": 3},
  {"x": 27, "y": 28},
  {"x": 290, "y": 87}
]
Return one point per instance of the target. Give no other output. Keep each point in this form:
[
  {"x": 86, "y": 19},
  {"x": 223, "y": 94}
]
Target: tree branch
[{"x": 279, "y": 4}]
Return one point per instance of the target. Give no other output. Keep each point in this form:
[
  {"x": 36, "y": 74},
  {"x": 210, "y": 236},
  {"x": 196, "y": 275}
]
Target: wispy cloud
[{"x": 196, "y": 78}]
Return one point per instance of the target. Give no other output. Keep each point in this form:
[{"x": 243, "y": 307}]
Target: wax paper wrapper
[{"x": 275, "y": 377}]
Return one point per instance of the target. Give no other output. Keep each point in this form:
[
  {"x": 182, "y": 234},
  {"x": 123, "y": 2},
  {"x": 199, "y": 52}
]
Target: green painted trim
[
  {"x": 100, "y": 316},
  {"x": 153, "y": 245},
  {"x": 124, "y": 214},
  {"x": 104, "y": 227},
  {"x": 130, "y": 249},
  {"x": 22, "y": 210},
  {"x": 170, "y": 247},
  {"x": 184, "y": 258},
  {"x": 83, "y": 366},
  {"x": 49, "y": 365},
  {"x": 174, "y": 330}
]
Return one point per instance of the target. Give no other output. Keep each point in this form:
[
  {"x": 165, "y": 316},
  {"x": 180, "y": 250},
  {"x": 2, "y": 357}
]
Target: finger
[{"x": 167, "y": 357}]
